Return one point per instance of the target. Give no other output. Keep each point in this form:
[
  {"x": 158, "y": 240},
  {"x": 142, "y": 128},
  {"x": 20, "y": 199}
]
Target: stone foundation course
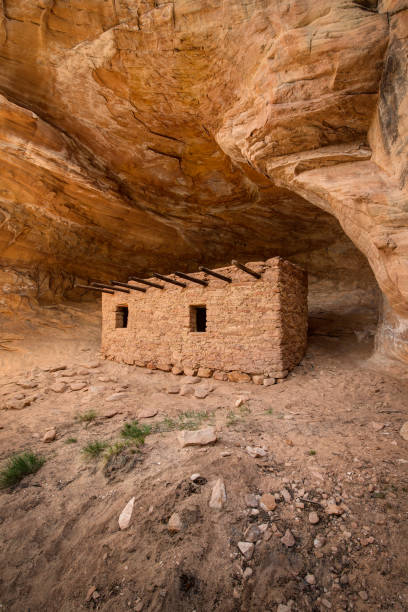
[{"x": 248, "y": 329}]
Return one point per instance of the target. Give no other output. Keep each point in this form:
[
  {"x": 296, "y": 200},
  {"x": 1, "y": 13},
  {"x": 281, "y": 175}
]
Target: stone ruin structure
[{"x": 234, "y": 323}]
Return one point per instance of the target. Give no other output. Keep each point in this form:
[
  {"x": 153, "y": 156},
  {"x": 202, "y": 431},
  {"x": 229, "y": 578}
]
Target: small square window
[
  {"x": 198, "y": 318},
  {"x": 122, "y": 315}
]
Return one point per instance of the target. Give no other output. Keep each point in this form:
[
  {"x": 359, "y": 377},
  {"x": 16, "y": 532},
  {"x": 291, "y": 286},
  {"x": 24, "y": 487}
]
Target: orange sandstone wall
[{"x": 254, "y": 326}]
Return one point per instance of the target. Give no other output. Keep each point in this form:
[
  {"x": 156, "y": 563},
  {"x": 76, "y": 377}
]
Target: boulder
[{"x": 197, "y": 438}]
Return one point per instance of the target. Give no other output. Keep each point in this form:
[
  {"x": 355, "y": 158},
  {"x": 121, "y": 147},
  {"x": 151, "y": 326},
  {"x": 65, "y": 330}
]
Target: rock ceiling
[{"x": 139, "y": 135}]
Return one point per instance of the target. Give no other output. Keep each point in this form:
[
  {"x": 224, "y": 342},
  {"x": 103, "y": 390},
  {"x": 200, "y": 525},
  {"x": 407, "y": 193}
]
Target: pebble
[
  {"x": 404, "y": 431},
  {"x": 96, "y": 389},
  {"x": 268, "y": 382},
  {"x": 77, "y": 386},
  {"x": 91, "y": 365},
  {"x": 326, "y": 603},
  {"x": 246, "y": 549},
  {"x": 251, "y": 500},
  {"x": 252, "y": 533},
  {"x": 218, "y": 495},
  {"x": 199, "y": 437},
  {"x": 283, "y": 608},
  {"x": 68, "y": 373},
  {"x": 28, "y": 384},
  {"x": 201, "y": 392},
  {"x": 49, "y": 435},
  {"x": 175, "y": 523},
  {"x": 267, "y": 502},
  {"x": 58, "y": 387},
  {"x": 319, "y": 541},
  {"x": 313, "y": 518},
  {"x": 147, "y": 413},
  {"x": 288, "y": 539},
  {"x": 90, "y": 592},
  {"x": 173, "y": 389},
  {"x": 195, "y": 476},
  {"x": 377, "y": 426},
  {"x": 110, "y": 413},
  {"x": 363, "y": 595},
  {"x": 186, "y": 390},
  {"x": 310, "y": 579},
  {"x": 239, "y": 402},
  {"x": 256, "y": 451},
  {"x": 333, "y": 509},
  {"x": 248, "y": 573},
  {"x": 225, "y": 454},
  {"x": 55, "y": 369},
  {"x": 138, "y": 607},
  {"x": 286, "y": 495},
  {"x": 126, "y": 514},
  {"x": 115, "y": 397},
  {"x": 191, "y": 380}
]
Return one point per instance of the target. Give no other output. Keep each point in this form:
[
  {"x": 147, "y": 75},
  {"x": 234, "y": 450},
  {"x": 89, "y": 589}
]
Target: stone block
[
  {"x": 204, "y": 373},
  {"x": 238, "y": 377}
]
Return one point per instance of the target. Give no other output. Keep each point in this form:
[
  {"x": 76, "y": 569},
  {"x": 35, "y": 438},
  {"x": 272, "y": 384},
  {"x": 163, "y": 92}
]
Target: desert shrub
[
  {"x": 19, "y": 466},
  {"x": 94, "y": 449},
  {"x": 87, "y": 417},
  {"x": 135, "y": 432}
]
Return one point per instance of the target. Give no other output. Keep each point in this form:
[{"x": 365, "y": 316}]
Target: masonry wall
[{"x": 254, "y": 326}]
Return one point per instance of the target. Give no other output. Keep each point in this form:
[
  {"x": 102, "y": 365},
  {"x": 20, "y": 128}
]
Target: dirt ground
[{"x": 331, "y": 432}]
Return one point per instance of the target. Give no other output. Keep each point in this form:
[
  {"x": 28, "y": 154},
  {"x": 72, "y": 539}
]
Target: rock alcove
[{"x": 140, "y": 136}]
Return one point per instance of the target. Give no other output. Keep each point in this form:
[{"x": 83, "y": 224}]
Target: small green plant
[
  {"x": 115, "y": 449},
  {"x": 19, "y": 466},
  {"x": 70, "y": 441},
  {"x": 232, "y": 419},
  {"x": 312, "y": 452},
  {"x": 269, "y": 411},
  {"x": 94, "y": 449},
  {"x": 244, "y": 409},
  {"x": 135, "y": 432},
  {"x": 87, "y": 417},
  {"x": 190, "y": 419}
]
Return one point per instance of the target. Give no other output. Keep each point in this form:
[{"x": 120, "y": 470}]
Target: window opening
[
  {"x": 122, "y": 315},
  {"x": 198, "y": 318}
]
